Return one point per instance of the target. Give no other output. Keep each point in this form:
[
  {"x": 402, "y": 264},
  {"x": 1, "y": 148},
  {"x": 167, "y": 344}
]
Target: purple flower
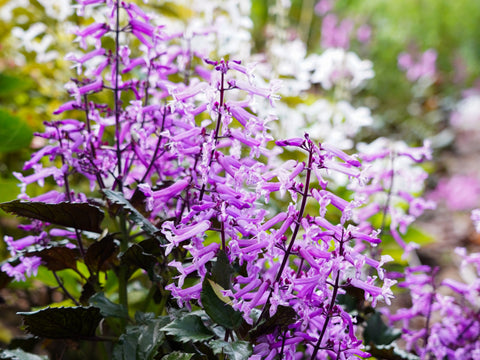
[
  {"x": 364, "y": 33},
  {"x": 28, "y": 266},
  {"x": 323, "y": 7},
  {"x": 291, "y": 142},
  {"x": 94, "y": 86},
  {"x": 334, "y": 36},
  {"x": 96, "y": 30},
  {"x": 15, "y": 246},
  {"x": 176, "y": 236},
  {"x": 159, "y": 123},
  {"x": 139, "y": 26},
  {"x": 424, "y": 67}
]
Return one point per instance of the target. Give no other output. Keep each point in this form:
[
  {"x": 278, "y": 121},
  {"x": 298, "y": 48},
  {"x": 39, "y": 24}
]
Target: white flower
[
  {"x": 467, "y": 114},
  {"x": 55, "y": 9},
  {"x": 475, "y": 216},
  {"x": 335, "y": 66}
]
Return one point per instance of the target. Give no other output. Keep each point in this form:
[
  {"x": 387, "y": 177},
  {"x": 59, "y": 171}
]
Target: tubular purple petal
[
  {"x": 91, "y": 55},
  {"x": 95, "y": 86},
  {"x": 228, "y": 164},
  {"x": 92, "y": 29},
  {"x": 70, "y": 105},
  {"x": 290, "y": 142},
  {"x": 346, "y": 169},
  {"x": 238, "y": 134},
  {"x": 456, "y": 286},
  {"x": 241, "y": 115},
  {"x": 171, "y": 191},
  {"x": 190, "y": 91},
  {"x": 298, "y": 169},
  {"x": 179, "y": 235},
  {"x": 340, "y": 154},
  {"x": 260, "y": 293},
  {"x": 142, "y": 27},
  {"x": 143, "y": 40},
  {"x": 309, "y": 258},
  {"x": 249, "y": 287},
  {"x": 276, "y": 219},
  {"x": 370, "y": 238},
  {"x": 187, "y": 134},
  {"x": 134, "y": 63},
  {"x": 90, "y": 2}
]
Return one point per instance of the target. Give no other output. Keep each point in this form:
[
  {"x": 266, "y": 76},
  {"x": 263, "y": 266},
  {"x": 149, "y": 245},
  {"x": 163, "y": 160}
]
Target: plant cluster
[{"x": 178, "y": 227}]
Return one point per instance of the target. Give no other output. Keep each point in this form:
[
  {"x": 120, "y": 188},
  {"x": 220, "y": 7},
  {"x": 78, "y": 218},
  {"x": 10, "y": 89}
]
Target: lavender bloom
[
  {"x": 28, "y": 266},
  {"x": 450, "y": 327},
  {"x": 424, "y": 67},
  {"x": 96, "y": 30},
  {"x": 333, "y": 36},
  {"x": 392, "y": 181},
  {"x": 215, "y": 180}
]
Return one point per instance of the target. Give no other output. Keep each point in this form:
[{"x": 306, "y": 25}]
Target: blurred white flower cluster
[
  {"x": 36, "y": 38},
  {"x": 467, "y": 113}
]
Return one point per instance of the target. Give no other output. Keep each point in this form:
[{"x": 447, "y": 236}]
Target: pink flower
[
  {"x": 334, "y": 36},
  {"x": 323, "y": 7},
  {"x": 423, "y": 67},
  {"x": 364, "y": 33}
]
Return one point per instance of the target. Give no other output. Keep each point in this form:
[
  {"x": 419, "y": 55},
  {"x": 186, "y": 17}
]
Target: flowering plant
[{"x": 184, "y": 228}]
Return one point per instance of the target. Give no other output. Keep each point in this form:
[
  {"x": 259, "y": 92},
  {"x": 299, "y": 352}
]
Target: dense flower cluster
[
  {"x": 204, "y": 161},
  {"x": 449, "y": 311},
  {"x": 158, "y": 116},
  {"x": 396, "y": 181}
]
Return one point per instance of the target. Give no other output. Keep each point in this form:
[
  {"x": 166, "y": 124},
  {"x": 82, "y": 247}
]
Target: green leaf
[
  {"x": 237, "y": 350},
  {"x": 57, "y": 258},
  {"x": 101, "y": 254},
  {"x": 63, "y": 323},
  {"x": 19, "y": 354},
  {"x": 118, "y": 198},
  {"x": 220, "y": 312},
  {"x": 134, "y": 258},
  {"x": 222, "y": 270},
  {"x": 141, "y": 341},
  {"x": 82, "y": 216},
  {"x": 107, "y": 307},
  {"x": 14, "y": 132},
  {"x": 188, "y": 328},
  {"x": 284, "y": 316},
  {"x": 378, "y": 333},
  {"x": 176, "y": 355}
]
